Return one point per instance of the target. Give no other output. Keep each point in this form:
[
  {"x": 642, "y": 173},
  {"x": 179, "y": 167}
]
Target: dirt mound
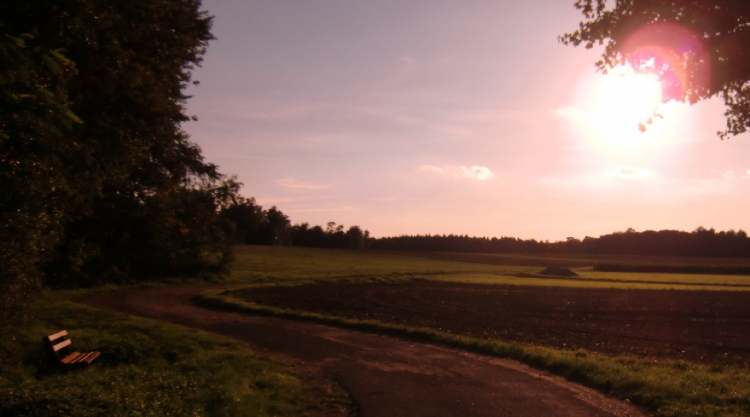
[{"x": 558, "y": 271}]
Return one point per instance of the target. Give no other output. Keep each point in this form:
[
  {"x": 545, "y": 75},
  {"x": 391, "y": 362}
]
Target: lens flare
[{"x": 675, "y": 55}]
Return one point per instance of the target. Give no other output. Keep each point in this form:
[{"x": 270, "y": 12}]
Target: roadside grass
[
  {"x": 147, "y": 368},
  {"x": 667, "y": 388},
  {"x": 589, "y": 279},
  {"x": 257, "y": 264}
]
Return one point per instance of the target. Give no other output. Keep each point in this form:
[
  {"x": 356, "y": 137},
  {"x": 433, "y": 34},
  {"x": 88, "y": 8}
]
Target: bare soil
[
  {"x": 702, "y": 326},
  {"x": 383, "y": 376}
]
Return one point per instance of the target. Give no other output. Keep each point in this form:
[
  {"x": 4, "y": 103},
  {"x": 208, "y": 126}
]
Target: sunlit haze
[{"x": 455, "y": 117}]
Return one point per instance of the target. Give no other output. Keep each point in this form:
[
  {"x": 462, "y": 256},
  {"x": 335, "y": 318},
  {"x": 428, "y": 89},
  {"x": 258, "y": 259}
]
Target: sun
[
  {"x": 622, "y": 116},
  {"x": 625, "y": 104},
  {"x": 627, "y": 100}
]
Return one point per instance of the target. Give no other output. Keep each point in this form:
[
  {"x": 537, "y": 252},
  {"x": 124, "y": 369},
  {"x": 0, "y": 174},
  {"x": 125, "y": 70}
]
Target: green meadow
[
  {"x": 149, "y": 368},
  {"x": 288, "y": 264}
]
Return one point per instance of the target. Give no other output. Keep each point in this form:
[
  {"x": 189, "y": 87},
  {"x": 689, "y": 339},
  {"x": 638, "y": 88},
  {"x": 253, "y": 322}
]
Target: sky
[{"x": 469, "y": 117}]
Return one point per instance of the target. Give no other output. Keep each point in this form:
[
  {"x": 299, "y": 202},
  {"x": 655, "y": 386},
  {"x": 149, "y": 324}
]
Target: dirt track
[
  {"x": 384, "y": 376},
  {"x": 703, "y": 326}
]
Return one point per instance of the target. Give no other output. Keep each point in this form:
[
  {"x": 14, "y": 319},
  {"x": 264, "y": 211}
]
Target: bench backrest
[{"x": 59, "y": 343}]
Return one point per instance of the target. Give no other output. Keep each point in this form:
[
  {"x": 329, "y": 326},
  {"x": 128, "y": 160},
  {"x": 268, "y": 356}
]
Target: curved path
[{"x": 384, "y": 376}]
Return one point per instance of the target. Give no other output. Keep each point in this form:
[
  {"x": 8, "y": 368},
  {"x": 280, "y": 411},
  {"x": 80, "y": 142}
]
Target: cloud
[
  {"x": 408, "y": 64},
  {"x": 473, "y": 172},
  {"x": 631, "y": 173},
  {"x": 296, "y": 184},
  {"x": 608, "y": 178},
  {"x": 271, "y": 200},
  {"x": 645, "y": 181},
  {"x": 331, "y": 209},
  {"x": 573, "y": 114}
]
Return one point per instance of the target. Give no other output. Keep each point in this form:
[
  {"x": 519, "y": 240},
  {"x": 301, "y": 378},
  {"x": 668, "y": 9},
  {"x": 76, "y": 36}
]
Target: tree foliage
[
  {"x": 254, "y": 225},
  {"x": 100, "y": 182},
  {"x": 35, "y": 119},
  {"x": 697, "y": 47}
]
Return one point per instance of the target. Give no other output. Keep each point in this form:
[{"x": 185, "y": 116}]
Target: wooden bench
[{"x": 59, "y": 345}]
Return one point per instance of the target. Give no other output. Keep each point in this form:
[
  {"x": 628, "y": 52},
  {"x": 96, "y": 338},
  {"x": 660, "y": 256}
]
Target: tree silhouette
[
  {"x": 35, "y": 118},
  {"x": 698, "y": 48},
  {"x": 699, "y": 243},
  {"x": 100, "y": 182}
]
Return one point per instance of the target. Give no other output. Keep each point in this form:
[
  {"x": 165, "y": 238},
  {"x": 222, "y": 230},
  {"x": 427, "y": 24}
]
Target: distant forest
[
  {"x": 700, "y": 242},
  {"x": 254, "y": 225}
]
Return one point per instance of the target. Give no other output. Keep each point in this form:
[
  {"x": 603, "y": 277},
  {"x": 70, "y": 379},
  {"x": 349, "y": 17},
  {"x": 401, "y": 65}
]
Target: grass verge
[
  {"x": 665, "y": 388},
  {"x": 146, "y": 369}
]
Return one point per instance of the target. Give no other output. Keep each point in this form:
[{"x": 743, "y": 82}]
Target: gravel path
[{"x": 384, "y": 376}]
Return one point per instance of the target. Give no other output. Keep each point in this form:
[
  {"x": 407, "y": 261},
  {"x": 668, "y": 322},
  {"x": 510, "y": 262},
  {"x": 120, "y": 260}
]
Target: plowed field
[{"x": 702, "y": 326}]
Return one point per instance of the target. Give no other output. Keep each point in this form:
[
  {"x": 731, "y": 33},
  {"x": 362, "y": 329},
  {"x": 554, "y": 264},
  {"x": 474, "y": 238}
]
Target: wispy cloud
[
  {"x": 572, "y": 113},
  {"x": 270, "y": 200},
  {"x": 407, "y": 63},
  {"x": 607, "y": 178},
  {"x": 295, "y": 184},
  {"x": 630, "y": 173},
  {"x": 473, "y": 172},
  {"x": 327, "y": 209},
  {"x": 646, "y": 181}
]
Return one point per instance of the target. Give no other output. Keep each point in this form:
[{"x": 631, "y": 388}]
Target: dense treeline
[
  {"x": 254, "y": 225},
  {"x": 99, "y": 181},
  {"x": 700, "y": 242}
]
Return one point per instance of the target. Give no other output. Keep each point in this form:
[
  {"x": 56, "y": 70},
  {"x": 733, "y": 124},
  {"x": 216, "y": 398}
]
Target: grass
[
  {"x": 666, "y": 388},
  {"x": 254, "y": 264},
  {"x": 146, "y": 369},
  {"x": 588, "y": 260},
  {"x": 738, "y": 280},
  {"x": 268, "y": 263},
  {"x": 153, "y": 369},
  {"x": 600, "y": 280}
]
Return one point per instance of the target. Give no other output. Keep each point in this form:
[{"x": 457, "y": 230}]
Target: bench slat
[
  {"x": 93, "y": 357},
  {"x": 55, "y": 336},
  {"x": 87, "y": 357},
  {"x": 71, "y": 358},
  {"x": 65, "y": 343},
  {"x": 82, "y": 358}
]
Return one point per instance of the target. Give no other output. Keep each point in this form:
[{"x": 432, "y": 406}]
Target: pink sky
[{"x": 449, "y": 117}]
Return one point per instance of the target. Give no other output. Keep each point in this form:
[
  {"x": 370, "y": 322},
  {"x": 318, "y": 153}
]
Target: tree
[
  {"x": 99, "y": 180},
  {"x": 698, "y": 48},
  {"x": 248, "y": 220},
  {"x": 357, "y": 238},
  {"x": 278, "y": 226},
  {"x": 35, "y": 118}
]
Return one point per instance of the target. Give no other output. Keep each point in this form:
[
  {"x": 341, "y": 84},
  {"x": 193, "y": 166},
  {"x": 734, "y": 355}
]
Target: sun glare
[
  {"x": 622, "y": 117},
  {"x": 626, "y": 103}
]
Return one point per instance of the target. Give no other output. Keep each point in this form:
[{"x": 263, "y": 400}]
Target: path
[{"x": 384, "y": 376}]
